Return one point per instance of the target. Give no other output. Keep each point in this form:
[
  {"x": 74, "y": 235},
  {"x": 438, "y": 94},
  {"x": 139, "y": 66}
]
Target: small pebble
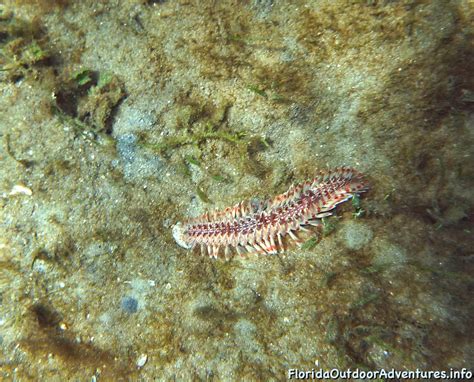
[
  {"x": 141, "y": 361},
  {"x": 130, "y": 304}
]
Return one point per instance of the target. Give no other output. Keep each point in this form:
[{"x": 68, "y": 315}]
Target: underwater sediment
[{"x": 120, "y": 118}]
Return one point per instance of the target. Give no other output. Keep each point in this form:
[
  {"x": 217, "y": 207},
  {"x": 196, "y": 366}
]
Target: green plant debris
[
  {"x": 257, "y": 90},
  {"x": 33, "y": 53},
  {"x": 183, "y": 169},
  {"x": 309, "y": 244},
  {"x": 21, "y": 57},
  {"x": 87, "y": 105},
  {"x": 356, "y": 204},
  {"x": 263, "y": 140},
  {"x": 198, "y": 137},
  {"x": 274, "y": 95},
  {"x": 82, "y": 77},
  {"x": 105, "y": 78},
  {"x": 280, "y": 99},
  {"x": 236, "y": 137},
  {"x": 202, "y": 195},
  {"x": 329, "y": 224},
  {"x": 97, "y": 80},
  {"x": 219, "y": 178},
  {"x": 169, "y": 143},
  {"x": 80, "y": 128},
  {"x": 97, "y": 107},
  {"x": 22, "y": 48},
  {"x": 195, "y": 123},
  {"x": 192, "y": 160}
]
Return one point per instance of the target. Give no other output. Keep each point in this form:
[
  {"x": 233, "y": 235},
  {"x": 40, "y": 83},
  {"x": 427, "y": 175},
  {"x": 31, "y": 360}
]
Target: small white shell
[
  {"x": 178, "y": 235},
  {"x": 141, "y": 361},
  {"x": 20, "y": 189}
]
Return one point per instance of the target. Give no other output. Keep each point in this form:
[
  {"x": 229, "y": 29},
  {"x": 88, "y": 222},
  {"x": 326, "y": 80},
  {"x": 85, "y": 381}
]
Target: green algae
[
  {"x": 88, "y": 101},
  {"x": 198, "y": 136},
  {"x": 192, "y": 160},
  {"x": 356, "y": 204},
  {"x": 23, "y": 48},
  {"x": 196, "y": 125},
  {"x": 257, "y": 90},
  {"x": 309, "y": 244},
  {"x": 202, "y": 195},
  {"x": 329, "y": 224},
  {"x": 83, "y": 77}
]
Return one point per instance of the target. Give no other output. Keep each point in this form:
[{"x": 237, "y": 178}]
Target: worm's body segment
[{"x": 260, "y": 228}]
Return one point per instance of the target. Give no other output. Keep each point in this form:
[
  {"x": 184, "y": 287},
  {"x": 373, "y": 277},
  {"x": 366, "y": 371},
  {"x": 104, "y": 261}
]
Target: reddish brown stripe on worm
[{"x": 259, "y": 228}]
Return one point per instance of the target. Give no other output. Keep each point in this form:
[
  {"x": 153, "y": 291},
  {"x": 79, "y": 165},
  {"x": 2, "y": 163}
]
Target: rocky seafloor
[{"x": 120, "y": 118}]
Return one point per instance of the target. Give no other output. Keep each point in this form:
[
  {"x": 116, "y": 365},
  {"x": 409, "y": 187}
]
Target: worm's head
[{"x": 179, "y": 235}]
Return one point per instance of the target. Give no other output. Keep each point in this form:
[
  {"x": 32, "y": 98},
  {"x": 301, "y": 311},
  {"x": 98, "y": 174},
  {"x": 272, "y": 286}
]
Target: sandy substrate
[{"x": 121, "y": 118}]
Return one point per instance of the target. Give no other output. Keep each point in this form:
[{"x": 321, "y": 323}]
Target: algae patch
[
  {"x": 89, "y": 99},
  {"x": 23, "y": 48}
]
